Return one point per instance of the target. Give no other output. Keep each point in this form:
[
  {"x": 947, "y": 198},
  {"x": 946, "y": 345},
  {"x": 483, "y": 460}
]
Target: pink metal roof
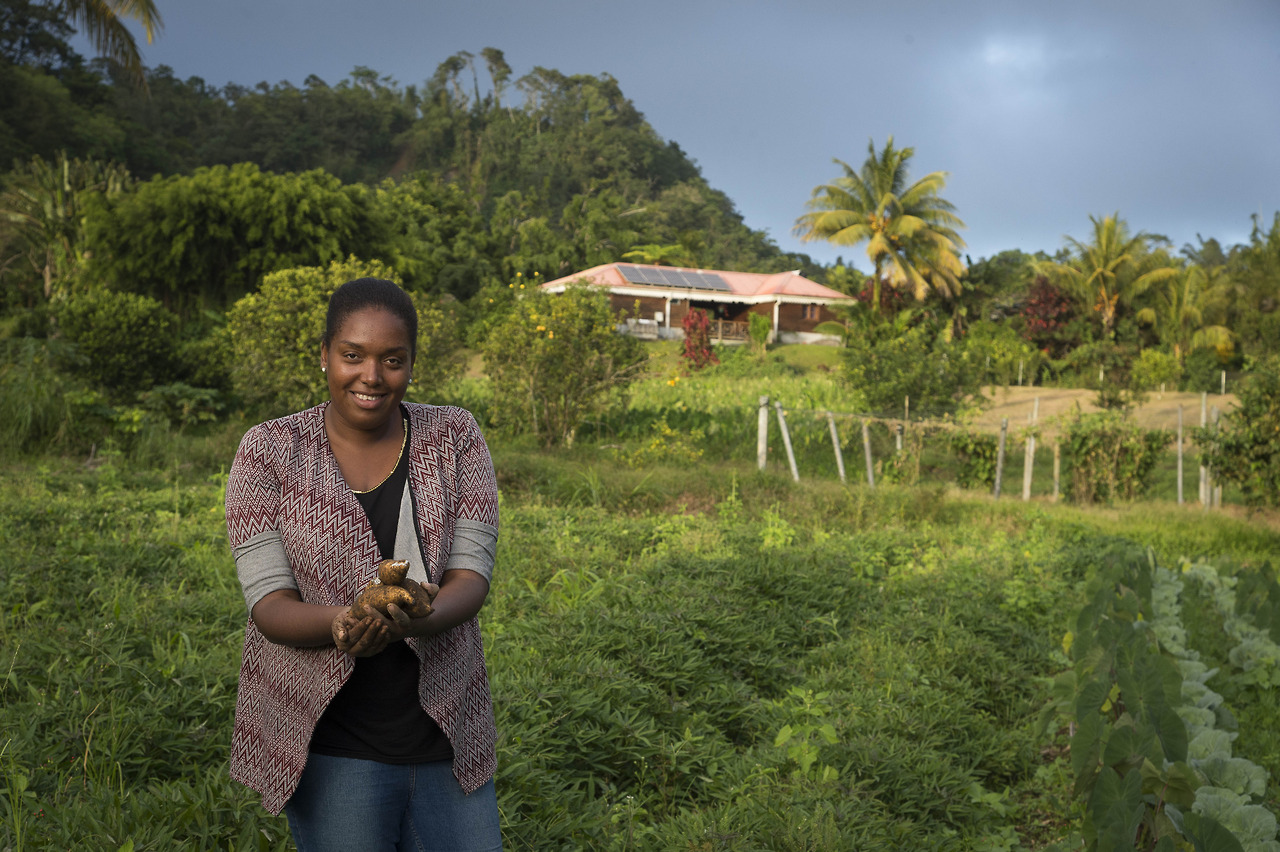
[{"x": 744, "y": 284}]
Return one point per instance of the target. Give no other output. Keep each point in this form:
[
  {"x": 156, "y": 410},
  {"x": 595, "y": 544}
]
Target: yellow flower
[
  {"x": 518, "y": 274},
  {"x": 521, "y": 286},
  {"x": 542, "y": 328},
  {"x": 550, "y": 334},
  {"x": 491, "y": 301}
]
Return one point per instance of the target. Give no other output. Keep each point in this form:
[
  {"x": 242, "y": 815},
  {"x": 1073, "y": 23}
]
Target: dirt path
[{"x": 1160, "y": 411}]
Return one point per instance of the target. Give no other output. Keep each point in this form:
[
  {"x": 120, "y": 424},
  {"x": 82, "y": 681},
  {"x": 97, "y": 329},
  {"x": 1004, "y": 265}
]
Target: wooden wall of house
[
  {"x": 791, "y": 317},
  {"x": 649, "y": 305},
  {"x": 679, "y": 310}
]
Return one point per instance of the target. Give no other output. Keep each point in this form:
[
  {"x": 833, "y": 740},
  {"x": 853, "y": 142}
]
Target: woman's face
[{"x": 368, "y": 365}]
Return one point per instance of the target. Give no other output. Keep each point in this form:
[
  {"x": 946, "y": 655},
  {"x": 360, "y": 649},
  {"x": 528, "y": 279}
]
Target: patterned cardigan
[{"x": 285, "y": 479}]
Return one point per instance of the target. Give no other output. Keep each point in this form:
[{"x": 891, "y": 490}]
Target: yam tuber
[{"x": 393, "y": 586}]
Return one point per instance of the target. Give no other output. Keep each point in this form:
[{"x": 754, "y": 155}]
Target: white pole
[
  {"x": 835, "y": 442},
  {"x": 762, "y": 434},
  {"x": 786, "y": 441},
  {"x": 1179, "y": 455},
  {"x": 1004, "y": 431},
  {"x": 866, "y": 451},
  {"x": 1204, "y": 472}
]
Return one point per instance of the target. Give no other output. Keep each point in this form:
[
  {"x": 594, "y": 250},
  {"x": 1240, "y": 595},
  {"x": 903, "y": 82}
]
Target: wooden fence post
[
  {"x": 762, "y": 434},
  {"x": 897, "y": 439},
  {"x": 1004, "y": 431},
  {"x": 1216, "y": 494},
  {"x": 866, "y": 451},
  {"x": 1204, "y": 471},
  {"x": 786, "y": 441},
  {"x": 835, "y": 443},
  {"x": 1179, "y": 455},
  {"x": 1029, "y": 462}
]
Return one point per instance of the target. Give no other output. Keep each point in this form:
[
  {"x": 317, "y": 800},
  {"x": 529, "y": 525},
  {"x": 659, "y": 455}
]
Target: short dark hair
[{"x": 371, "y": 293}]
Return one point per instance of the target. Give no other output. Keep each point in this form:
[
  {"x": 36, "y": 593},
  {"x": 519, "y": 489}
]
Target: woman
[{"x": 372, "y": 733}]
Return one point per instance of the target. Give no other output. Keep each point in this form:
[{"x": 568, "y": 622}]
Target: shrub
[
  {"x": 889, "y": 362},
  {"x": 1003, "y": 355},
  {"x": 1108, "y": 368},
  {"x": 697, "y": 340},
  {"x": 1109, "y": 456},
  {"x": 975, "y": 454},
  {"x": 1245, "y": 449},
  {"x": 759, "y": 327},
  {"x": 1203, "y": 371},
  {"x": 555, "y": 360},
  {"x": 1154, "y": 369},
  {"x": 125, "y": 343},
  {"x": 275, "y": 337},
  {"x": 1046, "y": 315}
]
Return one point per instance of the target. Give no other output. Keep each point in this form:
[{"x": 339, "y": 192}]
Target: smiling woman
[{"x": 372, "y": 732}]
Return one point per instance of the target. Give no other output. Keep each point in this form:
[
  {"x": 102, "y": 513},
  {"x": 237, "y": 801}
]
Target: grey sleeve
[
  {"x": 475, "y": 544},
  {"x": 263, "y": 567}
]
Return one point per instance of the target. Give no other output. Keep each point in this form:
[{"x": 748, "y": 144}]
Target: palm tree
[
  {"x": 102, "y": 22},
  {"x": 1179, "y": 308},
  {"x": 1111, "y": 271},
  {"x": 910, "y": 230}
]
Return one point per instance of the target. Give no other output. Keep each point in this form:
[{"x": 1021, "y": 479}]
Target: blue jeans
[{"x": 348, "y": 805}]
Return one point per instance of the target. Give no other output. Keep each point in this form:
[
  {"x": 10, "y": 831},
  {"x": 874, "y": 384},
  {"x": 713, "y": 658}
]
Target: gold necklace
[{"x": 404, "y": 439}]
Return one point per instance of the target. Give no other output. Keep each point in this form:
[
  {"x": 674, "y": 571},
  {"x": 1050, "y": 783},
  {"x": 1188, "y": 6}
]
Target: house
[{"x": 656, "y": 299}]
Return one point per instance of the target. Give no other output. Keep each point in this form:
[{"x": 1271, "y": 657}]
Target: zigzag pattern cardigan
[{"x": 285, "y": 479}]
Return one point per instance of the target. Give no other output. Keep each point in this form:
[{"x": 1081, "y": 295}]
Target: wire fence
[{"x": 912, "y": 450}]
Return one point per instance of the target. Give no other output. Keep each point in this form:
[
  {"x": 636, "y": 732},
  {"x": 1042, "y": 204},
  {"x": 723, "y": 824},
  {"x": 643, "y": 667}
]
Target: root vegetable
[
  {"x": 393, "y": 586},
  {"x": 391, "y": 572}
]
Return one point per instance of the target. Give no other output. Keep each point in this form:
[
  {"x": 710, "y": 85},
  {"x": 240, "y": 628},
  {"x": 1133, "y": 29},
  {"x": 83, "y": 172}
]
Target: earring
[{"x": 324, "y": 369}]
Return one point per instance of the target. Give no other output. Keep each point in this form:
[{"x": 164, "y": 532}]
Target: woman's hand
[
  {"x": 401, "y": 625},
  {"x": 360, "y": 637}
]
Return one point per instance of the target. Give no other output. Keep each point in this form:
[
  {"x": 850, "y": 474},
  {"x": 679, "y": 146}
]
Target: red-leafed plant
[
  {"x": 697, "y": 340},
  {"x": 1046, "y": 313}
]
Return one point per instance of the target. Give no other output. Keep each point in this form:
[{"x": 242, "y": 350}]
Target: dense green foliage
[
  {"x": 556, "y": 361},
  {"x": 206, "y": 239},
  {"x": 1110, "y": 457},
  {"x": 912, "y": 357},
  {"x": 1245, "y": 449},
  {"x": 124, "y": 342}
]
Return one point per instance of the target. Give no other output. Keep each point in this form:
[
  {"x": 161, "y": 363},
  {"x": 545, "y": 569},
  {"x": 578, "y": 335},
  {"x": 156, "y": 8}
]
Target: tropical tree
[
  {"x": 42, "y": 211},
  {"x": 1180, "y": 305},
  {"x": 1107, "y": 274},
  {"x": 102, "y": 22},
  {"x": 909, "y": 229}
]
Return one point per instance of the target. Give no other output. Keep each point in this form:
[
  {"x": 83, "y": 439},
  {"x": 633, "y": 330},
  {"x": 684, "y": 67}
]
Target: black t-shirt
[{"x": 376, "y": 715}]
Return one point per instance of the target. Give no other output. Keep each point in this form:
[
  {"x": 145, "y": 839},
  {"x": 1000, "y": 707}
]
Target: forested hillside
[{"x": 464, "y": 180}]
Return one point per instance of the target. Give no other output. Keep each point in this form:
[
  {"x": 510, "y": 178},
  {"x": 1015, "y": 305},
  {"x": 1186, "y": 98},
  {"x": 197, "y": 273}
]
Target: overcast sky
[{"x": 1043, "y": 113}]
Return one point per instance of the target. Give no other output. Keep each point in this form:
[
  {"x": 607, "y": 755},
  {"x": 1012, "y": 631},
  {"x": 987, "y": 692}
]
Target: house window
[{"x": 811, "y": 312}]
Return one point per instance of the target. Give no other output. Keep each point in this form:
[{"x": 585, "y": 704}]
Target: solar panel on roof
[{"x": 672, "y": 277}]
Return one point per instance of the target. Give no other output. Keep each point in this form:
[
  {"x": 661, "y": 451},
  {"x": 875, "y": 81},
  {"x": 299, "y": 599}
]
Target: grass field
[{"x": 693, "y": 656}]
